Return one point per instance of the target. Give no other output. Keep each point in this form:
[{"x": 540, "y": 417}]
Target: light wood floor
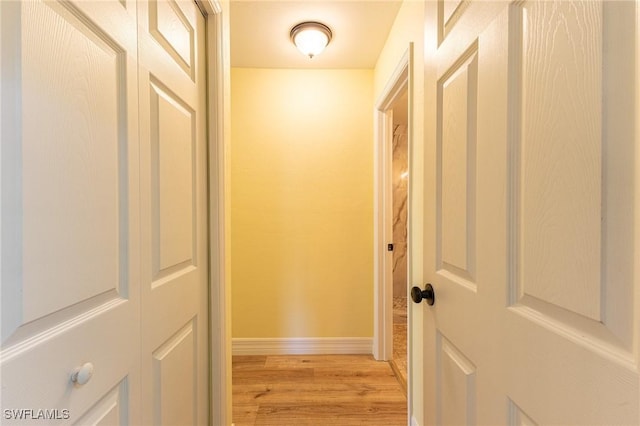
[{"x": 316, "y": 389}]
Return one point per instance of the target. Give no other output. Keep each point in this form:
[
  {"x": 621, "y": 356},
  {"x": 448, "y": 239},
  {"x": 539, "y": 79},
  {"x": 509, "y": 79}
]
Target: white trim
[
  {"x": 302, "y": 346},
  {"x": 219, "y": 298},
  {"x": 210, "y": 7},
  {"x": 399, "y": 82}
]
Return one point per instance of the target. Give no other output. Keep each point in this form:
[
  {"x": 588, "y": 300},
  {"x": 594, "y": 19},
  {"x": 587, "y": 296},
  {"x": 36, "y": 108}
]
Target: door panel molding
[
  {"x": 173, "y": 31},
  {"x": 543, "y": 194},
  {"x": 456, "y": 165},
  {"x": 454, "y": 405}
]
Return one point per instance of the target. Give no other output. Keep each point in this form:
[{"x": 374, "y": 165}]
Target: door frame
[
  {"x": 401, "y": 81},
  {"x": 220, "y": 408}
]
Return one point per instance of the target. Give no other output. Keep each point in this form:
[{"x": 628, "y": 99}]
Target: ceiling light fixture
[{"x": 311, "y": 37}]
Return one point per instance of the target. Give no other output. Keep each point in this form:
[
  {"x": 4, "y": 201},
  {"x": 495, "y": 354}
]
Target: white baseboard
[{"x": 302, "y": 346}]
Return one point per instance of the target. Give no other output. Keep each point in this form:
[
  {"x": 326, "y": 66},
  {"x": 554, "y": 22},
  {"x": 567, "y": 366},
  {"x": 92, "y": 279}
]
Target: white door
[
  {"x": 70, "y": 212},
  {"x": 173, "y": 179},
  {"x": 532, "y": 230},
  {"x": 104, "y": 261}
]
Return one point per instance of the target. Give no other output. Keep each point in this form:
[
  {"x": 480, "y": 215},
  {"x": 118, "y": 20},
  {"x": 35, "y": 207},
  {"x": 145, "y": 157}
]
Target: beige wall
[
  {"x": 301, "y": 203},
  {"x": 409, "y": 27}
]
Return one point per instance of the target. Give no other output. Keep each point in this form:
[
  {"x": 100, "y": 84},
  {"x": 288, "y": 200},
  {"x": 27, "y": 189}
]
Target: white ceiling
[{"x": 260, "y": 32}]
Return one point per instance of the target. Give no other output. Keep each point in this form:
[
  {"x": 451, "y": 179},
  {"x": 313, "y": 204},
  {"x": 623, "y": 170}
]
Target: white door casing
[
  {"x": 534, "y": 194},
  {"x": 398, "y": 83},
  {"x": 77, "y": 218},
  {"x": 219, "y": 291}
]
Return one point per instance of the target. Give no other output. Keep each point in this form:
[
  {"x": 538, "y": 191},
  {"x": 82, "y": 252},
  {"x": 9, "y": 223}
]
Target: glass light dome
[{"x": 311, "y": 38}]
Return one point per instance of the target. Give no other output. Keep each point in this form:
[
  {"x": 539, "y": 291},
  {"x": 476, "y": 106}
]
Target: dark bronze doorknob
[{"x": 427, "y": 294}]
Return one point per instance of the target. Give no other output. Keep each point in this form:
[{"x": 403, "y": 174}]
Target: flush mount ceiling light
[{"x": 311, "y": 37}]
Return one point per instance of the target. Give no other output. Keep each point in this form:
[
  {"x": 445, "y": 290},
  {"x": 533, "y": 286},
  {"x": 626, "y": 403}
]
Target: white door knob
[{"x": 82, "y": 375}]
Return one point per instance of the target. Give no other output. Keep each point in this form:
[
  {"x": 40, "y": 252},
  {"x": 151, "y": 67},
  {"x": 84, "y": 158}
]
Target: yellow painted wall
[{"x": 301, "y": 203}]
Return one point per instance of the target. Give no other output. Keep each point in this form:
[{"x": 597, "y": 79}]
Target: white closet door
[
  {"x": 70, "y": 212},
  {"x": 174, "y": 221}
]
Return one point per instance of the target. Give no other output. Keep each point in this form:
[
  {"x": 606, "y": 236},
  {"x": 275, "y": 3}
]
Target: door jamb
[
  {"x": 220, "y": 404},
  {"x": 400, "y": 81}
]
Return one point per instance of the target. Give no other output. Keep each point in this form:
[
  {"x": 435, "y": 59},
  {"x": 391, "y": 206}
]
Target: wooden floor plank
[
  {"x": 379, "y": 374},
  {"x": 277, "y": 361},
  {"x": 294, "y": 393},
  {"x": 244, "y": 415},
  {"x": 248, "y": 362},
  {"x": 345, "y": 413},
  {"x": 267, "y": 375}
]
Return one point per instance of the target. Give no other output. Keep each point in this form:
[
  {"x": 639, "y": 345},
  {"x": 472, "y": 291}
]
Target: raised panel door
[
  {"x": 70, "y": 212},
  {"x": 174, "y": 213},
  {"x": 532, "y": 252}
]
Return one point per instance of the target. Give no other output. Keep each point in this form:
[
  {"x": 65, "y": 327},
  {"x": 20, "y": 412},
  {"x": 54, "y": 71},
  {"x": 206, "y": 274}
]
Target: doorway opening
[
  {"x": 393, "y": 147},
  {"x": 399, "y": 203}
]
